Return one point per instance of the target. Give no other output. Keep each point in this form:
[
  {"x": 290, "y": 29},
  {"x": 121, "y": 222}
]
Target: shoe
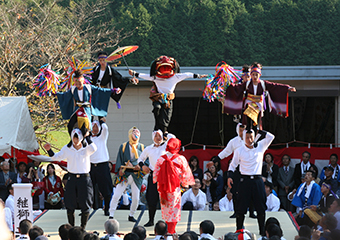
[
  {"x": 233, "y": 216},
  {"x": 111, "y": 217},
  {"x": 106, "y": 213},
  {"x": 132, "y": 219},
  {"x": 148, "y": 224},
  {"x": 252, "y": 215}
]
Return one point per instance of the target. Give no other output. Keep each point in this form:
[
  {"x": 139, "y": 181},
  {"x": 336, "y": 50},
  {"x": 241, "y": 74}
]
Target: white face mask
[
  {"x": 78, "y": 132},
  {"x": 154, "y": 134}
]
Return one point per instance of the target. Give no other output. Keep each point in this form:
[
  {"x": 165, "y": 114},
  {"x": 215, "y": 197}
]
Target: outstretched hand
[
  {"x": 230, "y": 182},
  {"x": 47, "y": 146},
  {"x": 292, "y": 89},
  {"x": 131, "y": 72},
  {"x": 203, "y": 76}
]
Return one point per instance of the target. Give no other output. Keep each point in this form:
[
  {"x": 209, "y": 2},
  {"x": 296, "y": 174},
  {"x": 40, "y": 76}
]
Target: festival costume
[
  {"x": 100, "y": 171},
  {"x": 172, "y": 171},
  {"x": 336, "y": 175},
  {"x": 273, "y": 203},
  {"x": 165, "y": 75},
  {"x": 248, "y": 99},
  {"x": 79, "y": 105},
  {"x": 110, "y": 79},
  {"x": 78, "y": 191},
  {"x": 128, "y": 152}
]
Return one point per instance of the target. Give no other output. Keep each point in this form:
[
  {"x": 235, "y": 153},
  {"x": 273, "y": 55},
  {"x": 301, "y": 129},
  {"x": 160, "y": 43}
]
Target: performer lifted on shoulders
[
  {"x": 127, "y": 157},
  {"x": 251, "y": 187},
  {"x": 79, "y": 191},
  {"x": 165, "y": 74},
  {"x": 105, "y": 76},
  {"x": 247, "y": 98},
  {"x": 172, "y": 171},
  {"x": 83, "y": 100},
  {"x": 100, "y": 172}
]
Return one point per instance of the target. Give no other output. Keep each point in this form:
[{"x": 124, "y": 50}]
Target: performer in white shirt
[
  {"x": 165, "y": 74},
  {"x": 273, "y": 202},
  {"x": 232, "y": 145},
  {"x": 251, "y": 187},
  {"x": 226, "y": 203},
  {"x": 194, "y": 198},
  {"x": 79, "y": 190},
  {"x": 10, "y": 204},
  {"x": 152, "y": 153},
  {"x": 100, "y": 172}
]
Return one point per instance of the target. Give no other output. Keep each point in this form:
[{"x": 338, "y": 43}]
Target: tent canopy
[{"x": 16, "y": 129}]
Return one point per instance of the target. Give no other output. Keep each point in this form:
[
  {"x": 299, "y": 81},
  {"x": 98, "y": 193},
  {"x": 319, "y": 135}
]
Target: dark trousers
[
  {"x": 152, "y": 197},
  {"x": 162, "y": 115},
  {"x": 251, "y": 190},
  {"x": 78, "y": 193},
  {"x": 100, "y": 175}
]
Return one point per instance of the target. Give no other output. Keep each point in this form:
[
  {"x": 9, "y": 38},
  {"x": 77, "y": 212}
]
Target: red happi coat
[{"x": 58, "y": 187}]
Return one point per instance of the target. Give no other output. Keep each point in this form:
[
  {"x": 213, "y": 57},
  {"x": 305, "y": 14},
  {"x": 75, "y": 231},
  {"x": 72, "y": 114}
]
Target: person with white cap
[
  {"x": 79, "y": 190},
  {"x": 100, "y": 172},
  {"x": 152, "y": 153},
  {"x": 127, "y": 157}
]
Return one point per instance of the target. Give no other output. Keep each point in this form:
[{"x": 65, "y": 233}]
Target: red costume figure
[{"x": 172, "y": 171}]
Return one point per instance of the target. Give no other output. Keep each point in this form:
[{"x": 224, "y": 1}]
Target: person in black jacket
[
  {"x": 105, "y": 76},
  {"x": 269, "y": 169},
  {"x": 302, "y": 167}
]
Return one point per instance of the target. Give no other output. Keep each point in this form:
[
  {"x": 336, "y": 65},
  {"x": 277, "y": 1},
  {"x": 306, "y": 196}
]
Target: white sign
[{"x": 23, "y": 206}]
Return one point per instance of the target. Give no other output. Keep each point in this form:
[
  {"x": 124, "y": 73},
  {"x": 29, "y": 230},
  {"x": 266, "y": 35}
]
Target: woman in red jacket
[{"x": 53, "y": 185}]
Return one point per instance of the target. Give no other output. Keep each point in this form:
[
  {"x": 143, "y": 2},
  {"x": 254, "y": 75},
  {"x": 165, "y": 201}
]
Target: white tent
[{"x": 16, "y": 129}]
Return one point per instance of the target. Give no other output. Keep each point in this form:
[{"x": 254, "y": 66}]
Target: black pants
[
  {"x": 100, "y": 175},
  {"x": 251, "y": 189},
  {"x": 152, "y": 197},
  {"x": 78, "y": 193},
  {"x": 162, "y": 115}
]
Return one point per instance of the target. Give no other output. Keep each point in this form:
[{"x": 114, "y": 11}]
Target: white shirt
[
  {"x": 225, "y": 204},
  {"x": 10, "y": 205},
  {"x": 78, "y": 161},
  {"x": 273, "y": 203},
  {"x": 101, "y": 75},
  {"x": 198, "y": 201},
  {"x": 207, "y": 235},
  {"x": 153, "y": 153},
  {"x": 80, "y": 94},
  {"x": 232, "y": 145},
  {"x": 167, "y": 85},
  {"x": 337, "y": 216},
  {"x": 8, "y": 218},
  {"x": 251, "y": 159},
  {"x": 303, "y": 167},
  {"x": 102, "y": 154},
  {"x": 113, "y": 237}
]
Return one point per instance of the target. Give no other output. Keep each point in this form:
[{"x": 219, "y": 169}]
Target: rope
[{"x": 194, "y": 127}]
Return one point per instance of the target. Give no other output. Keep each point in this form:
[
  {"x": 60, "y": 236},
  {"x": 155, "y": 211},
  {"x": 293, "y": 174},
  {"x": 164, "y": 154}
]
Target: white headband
[
  {"x": 95, "y": 122},
  {"x": 154, "y": 134},
  {"x": 78, "y": 132}
]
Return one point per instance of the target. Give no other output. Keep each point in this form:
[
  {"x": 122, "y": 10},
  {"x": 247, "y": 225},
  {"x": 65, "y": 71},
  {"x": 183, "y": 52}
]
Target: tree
[{"x": 38, "y": 32}]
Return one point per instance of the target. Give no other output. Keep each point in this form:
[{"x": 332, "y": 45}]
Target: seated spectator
[
  {"x": 42, "y": 237},
  {"x": 207, "y": 229},
  {"x": 76, "y": 233},
  {"x": 131, "y": 236},
  {"x": 274, "y": 230},
  {"x": 212, "y": 185},
  {"x": 189, "y": 235},
  {"x": 333, "y": 162},
  {"x": 161, "y": 230},
  {"x": 218, "y": 166},
  {"x": 328, "y": 222},
  {"x": 24, "y": 227},
  {"x": 35, "y": 232},
  {"x": 269, "y": 169},
  {"x": 216, "y": 206},
  {"x": 269, "y": 222},
  {"x": 22, "y": 173},
  {"x": 308, "y": 193},
  {"x": 195, "y": 168},
  {"x": 194, "y": 198},
  {"x": 111, "y": 228},
  {"x": 226, "y": 203},
  {"x": 140, "y": 231},
  {"x": 315, "y": 169},
  {"x": 304, "y": 232},
  {"x": 91, "y": 236},
  {"x": 6, "y": 177},
  {"x": 53, "y": 187},
  {"x": 273, "y": 202},
  {"x": 328, "y": 178},
  {"x": 326, "y": 200},
  {"x": 335, "y": 210},
  {"x": 10, "y": 202},
  {"x": 285, "y": 180},
  {"x": 240, "y": 234},
  {"x": 63, "y": 231}
]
